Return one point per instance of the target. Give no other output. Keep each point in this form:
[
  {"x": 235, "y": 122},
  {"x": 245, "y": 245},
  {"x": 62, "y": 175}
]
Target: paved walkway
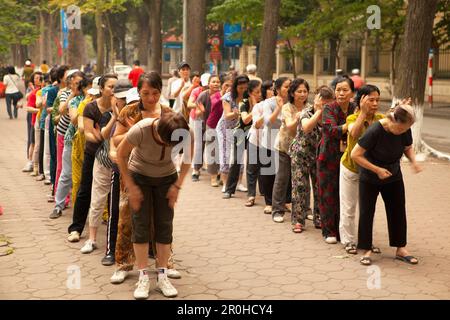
[{"x": 223, "y": 250}]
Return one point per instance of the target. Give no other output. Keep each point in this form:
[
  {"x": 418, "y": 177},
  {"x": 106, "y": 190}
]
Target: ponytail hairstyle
[
  {"x": 278, "y": 84},
  {"x": 402, "y": 113}
]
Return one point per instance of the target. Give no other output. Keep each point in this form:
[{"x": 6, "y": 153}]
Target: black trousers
[
  {"x": 83, "y": 201},
  {"x": 393, "y": 195},
  {"x": 235, "y": 167},
  {"x": 253, "y": 169},
  {"x": 267, "y": 173},
  {"x": 113, "y": 218}
]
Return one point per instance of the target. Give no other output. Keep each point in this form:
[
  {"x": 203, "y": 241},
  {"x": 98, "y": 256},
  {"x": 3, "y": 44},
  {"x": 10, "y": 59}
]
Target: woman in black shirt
[{"x": 378, "y": 154}]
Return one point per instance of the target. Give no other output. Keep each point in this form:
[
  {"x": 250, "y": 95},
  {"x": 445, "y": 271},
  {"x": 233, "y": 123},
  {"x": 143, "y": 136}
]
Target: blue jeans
[{"x": 14, "y": 98}]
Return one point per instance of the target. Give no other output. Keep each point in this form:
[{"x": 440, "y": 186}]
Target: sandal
[
  {"x": 250, "y": 202},
  {"x": 365, "y": 261},
  {"x": 407, "y": 259},
  {"x": 351, "y": 248},
  {"x": 376, "y": 250},
  {"x": 297, "y": 228}
]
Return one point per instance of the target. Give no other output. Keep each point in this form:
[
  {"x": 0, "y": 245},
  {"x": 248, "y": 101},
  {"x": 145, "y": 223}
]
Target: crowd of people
[{"x": 118, "y": 151}]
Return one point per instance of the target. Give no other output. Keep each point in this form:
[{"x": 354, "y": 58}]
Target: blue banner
[
  {"x": 65, "y": 29},
  {"x": 232, "y": 35}
]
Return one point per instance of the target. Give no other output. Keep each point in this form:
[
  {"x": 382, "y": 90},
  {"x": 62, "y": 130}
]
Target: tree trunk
[
  {"x": 268, "y": 39},
  {"x": 155, "y": 27},
  {"x": 100, "y": 43},
  {"x": 413, "y": 60},
  {"x": 76, "y": 48},
  {"x": 333, "y": 54},
  {"x": 292, "y": 56},
  {"x": 111, "y": 42},
  {"x": 196, "y": 34},
  {"x": 143, "y": 33},
  {"x": 392, "y": 74}
]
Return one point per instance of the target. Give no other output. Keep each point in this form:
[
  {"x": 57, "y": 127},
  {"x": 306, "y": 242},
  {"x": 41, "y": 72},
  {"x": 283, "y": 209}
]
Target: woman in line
[
  {"x": 378, "y": 154},
  {"x": 135, "y": 110},
  {"x": 203, "y": 113},
  {"x": 102, "y": 173},
  {"x": 94, "y": 117},
  {"x": 367, "y": 113},
  {"x": 290, "y": 117},
  {"x": 303, "y": 151},
  {"x": 240, "y": 134},
  {"x": 229, "y": 120},
  {"x": 332, "y": 146},
  {"x": 272, "y": 124},
  {"x": 151, "y": 180}
]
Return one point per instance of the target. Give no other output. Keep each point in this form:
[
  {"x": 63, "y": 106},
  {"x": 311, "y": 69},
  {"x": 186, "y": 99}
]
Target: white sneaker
[
  {"x": 143, "y": 288},
  {"x": 223, "y": 189},
  {"x": 28, "y": 167},
  {"x": 89, "y": 246},
  {"x": 167, "y": 289},
  {"x": 74, "y": 236},
  {"x": 241, "y": 187},
  {"x": 118, "y": 276},
  {"x": 331, "y": 240}
]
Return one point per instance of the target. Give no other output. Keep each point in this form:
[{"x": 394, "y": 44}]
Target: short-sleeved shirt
[
  {"x": 64, "y": 121},
  {"x": 194, "y": 95},
  {"x": 149, "y": 157},
  {"x": 384, "y": 150},
  {"x": 70, "y": 132},
  {"x": 346, "y": 159},
  {"x": 91, "y": 111},
  {"x": 216, "y": 110},
  {"x": 134, "y": 75},
  {"x": 270, "y": 130},
  {"x": 284, "y": 139},
  {"x": 205, "y": 99},
  {"x": 47, "y": 92},
  {"x": 255, "y": 135},
  {"x": 178, "y": 105},
  {"x": 31, "y": 102}
]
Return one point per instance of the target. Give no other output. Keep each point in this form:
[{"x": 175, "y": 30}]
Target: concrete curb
[{"x": 435, "y": 153}]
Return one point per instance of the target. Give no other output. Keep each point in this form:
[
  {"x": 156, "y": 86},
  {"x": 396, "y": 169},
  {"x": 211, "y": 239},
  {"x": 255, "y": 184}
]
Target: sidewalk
[{"x": 223, "y": 250}]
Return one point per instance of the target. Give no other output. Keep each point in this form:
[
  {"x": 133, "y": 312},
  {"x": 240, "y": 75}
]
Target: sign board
[
  {"x": 215, "y": 41},
  {"x": 73, "y": 17},
  {"x": 172, "y": 45},
  {"x": 232, "y": 35}
]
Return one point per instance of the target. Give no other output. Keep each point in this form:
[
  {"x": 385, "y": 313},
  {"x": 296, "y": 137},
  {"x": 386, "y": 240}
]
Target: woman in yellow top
[{"x": 367, "y": 113}]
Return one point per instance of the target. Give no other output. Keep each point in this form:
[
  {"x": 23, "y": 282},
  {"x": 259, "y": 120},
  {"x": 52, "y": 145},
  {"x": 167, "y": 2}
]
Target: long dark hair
[
  {"x": 266, "y": 85},
  {"x": 240, "y": 79},
  {"x": 278, "y": 84}
]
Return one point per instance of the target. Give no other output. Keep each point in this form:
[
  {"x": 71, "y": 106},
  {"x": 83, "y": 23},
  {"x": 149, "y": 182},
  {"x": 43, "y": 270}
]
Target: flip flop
[
  {"x": 376, "y": 250},
  {"x": 297, "y": 228},
  {"x": 365, "y": 261},
  {"x": 407, "y": 259}
]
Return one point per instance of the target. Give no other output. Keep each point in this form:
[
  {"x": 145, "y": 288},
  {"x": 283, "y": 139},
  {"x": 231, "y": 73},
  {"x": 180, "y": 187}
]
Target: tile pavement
[{"x": 223, "y": 249}]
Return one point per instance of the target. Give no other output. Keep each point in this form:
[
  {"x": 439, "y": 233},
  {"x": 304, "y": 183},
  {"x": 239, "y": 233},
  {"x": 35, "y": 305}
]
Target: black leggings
[
  {"x": 393, "y": 195},
  {"x": 83, "y": 201}
]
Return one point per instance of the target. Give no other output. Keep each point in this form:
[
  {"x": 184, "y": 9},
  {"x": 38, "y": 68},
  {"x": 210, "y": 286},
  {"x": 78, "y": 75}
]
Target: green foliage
[
  {"x": 442, "y": 27},
  {"x": 18, "y": 23}
]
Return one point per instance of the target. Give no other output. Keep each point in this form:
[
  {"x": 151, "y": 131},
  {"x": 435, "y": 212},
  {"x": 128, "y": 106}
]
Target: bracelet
[{"x": 178, "y": 187}]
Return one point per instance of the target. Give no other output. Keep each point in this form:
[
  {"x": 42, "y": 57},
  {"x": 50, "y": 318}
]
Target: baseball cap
[
  {"x": 132, "y": 95},
  {"x": 71, "y": 72},
  {"x": 205, "y": 79},
  {"x": 95, "y": 90},
  {"x": 121, "y": 87},
  {"x": 28, "y": 63},
  {"x": 183, "y": 64}
]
